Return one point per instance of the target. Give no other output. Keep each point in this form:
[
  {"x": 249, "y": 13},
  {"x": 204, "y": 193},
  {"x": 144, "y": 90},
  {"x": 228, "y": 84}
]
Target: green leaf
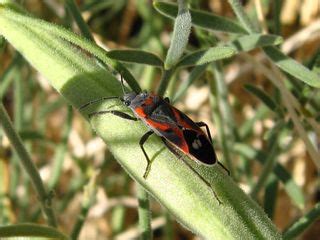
[
  {"x": 80, "y": 79},
  {"x": 206, "y": 56},
  {"x": 136, "y": 56},
  {"x": 263, "y": 96},
  {"x": 30, "y": 231},
  {"x": 292, "y": 67},
  {"x": 68, "y": 38},
  {"x": 252, "y": 41},
  {"x": 180, "y": 35},
  {"x": 201, "y": 19},
  {"x": 301, "y": 224}
]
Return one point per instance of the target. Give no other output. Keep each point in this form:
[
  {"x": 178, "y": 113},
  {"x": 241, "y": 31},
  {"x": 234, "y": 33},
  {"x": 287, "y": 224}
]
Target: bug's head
[{"x": 128, "y": 97}]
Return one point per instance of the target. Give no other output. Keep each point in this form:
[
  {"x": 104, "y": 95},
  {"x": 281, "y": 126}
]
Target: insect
[{"x": 179, "y": 133}]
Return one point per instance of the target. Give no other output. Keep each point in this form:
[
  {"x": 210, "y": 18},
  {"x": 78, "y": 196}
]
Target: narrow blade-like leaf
[
  {"x": 263, "y": 96},
  {"x": 30, "y": 231},
  {"x": 136, "y": 56},
  {"x": 252, "y": 41},
  {"x": 201, "y": 19},
  {"x": 292, "y": 67},
  {"x": 206, "y": 56}
]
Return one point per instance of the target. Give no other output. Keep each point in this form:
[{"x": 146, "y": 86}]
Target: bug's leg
[
  {"x": 204, "y": 180},
  {"x": 96, "y": 101},
  {"x": 192, "y": 169},
  {"x": 203, "y": 124},
  {"x": 114, "y": 112},
  {"x": 141, "y": 142},
  {"x": 226, "y": 169}
]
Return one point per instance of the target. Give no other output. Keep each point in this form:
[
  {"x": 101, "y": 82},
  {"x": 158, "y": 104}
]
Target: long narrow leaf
[
  {"x": 252, "y": 41},
  {"x": 292, "y": 67},
  {"x": 206, "y": 56},
  {"x": 201, "y": 19},
  {"x": 136, "y": 56},
  {"x": 30, "y": 231},
  {"x": 263, "y": 96}
]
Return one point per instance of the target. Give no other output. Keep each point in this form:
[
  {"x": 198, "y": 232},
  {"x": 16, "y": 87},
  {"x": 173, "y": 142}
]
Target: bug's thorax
[{"x": 142, "y": 104}]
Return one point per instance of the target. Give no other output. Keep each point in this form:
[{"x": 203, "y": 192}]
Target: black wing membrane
[{"x": 200, "y": 147}]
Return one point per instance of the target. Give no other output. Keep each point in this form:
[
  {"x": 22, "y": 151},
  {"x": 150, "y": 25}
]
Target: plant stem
[
  {"x": 144, "y": 214},
  {"x": 270, "y": 195},
  {"x": 165, "y": 81},
  {"x": 9, "y": 73},
  {"x": 25, "y": 160},
  {"x": 60, "y": 152},
  {"x": 267, "y": 168},
  {"x": 276, "y": 17},
  {"x": 89, "y": 196},
  {"x": 216, "y": 103},
  {"x": 168, "y": 228}
]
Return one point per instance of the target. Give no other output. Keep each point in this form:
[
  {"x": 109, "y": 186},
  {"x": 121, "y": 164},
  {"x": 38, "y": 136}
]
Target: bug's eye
[{"x": 127, "y": 102}]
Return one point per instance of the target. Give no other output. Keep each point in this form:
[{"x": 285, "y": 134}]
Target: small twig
[
  {"x": 133, "y": 233},
  {"x": 144, "y": 214},
  {"x": 218, "y": 101},
  {"x": 267, "y": 167},
  {"x": 29, "y": 167},
  {"x": 89, "y": 196},
  {"x": 167, "y": 74}
]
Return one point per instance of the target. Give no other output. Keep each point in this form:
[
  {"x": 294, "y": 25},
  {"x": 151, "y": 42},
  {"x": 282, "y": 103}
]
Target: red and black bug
[{"x": 179, "y": 133}]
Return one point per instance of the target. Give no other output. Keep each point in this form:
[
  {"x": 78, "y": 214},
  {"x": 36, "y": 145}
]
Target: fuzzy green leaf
[
  {"x": 30, "y": 231},
  {"x": 80, "y": 79},
  {"x": 252, "y": 41},
  {"x": 201, "y": 19},
  {"x": 136, "y": 56},
  {"x": 180, "y": 35},
  {"x": 292, "y": 67},
  {"x": 206, "y": 56}
]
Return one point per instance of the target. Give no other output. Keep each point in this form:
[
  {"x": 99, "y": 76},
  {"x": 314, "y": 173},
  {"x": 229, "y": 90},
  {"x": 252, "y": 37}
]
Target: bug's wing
[
  {"x": 199, "y": 146},
  {"x": 190, "y": 142},
  {"x": 182, "y": 133}
]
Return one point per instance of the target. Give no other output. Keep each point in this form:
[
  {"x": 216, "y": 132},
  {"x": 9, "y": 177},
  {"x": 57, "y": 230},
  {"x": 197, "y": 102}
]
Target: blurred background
[{"x": 68, "y": 154}]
